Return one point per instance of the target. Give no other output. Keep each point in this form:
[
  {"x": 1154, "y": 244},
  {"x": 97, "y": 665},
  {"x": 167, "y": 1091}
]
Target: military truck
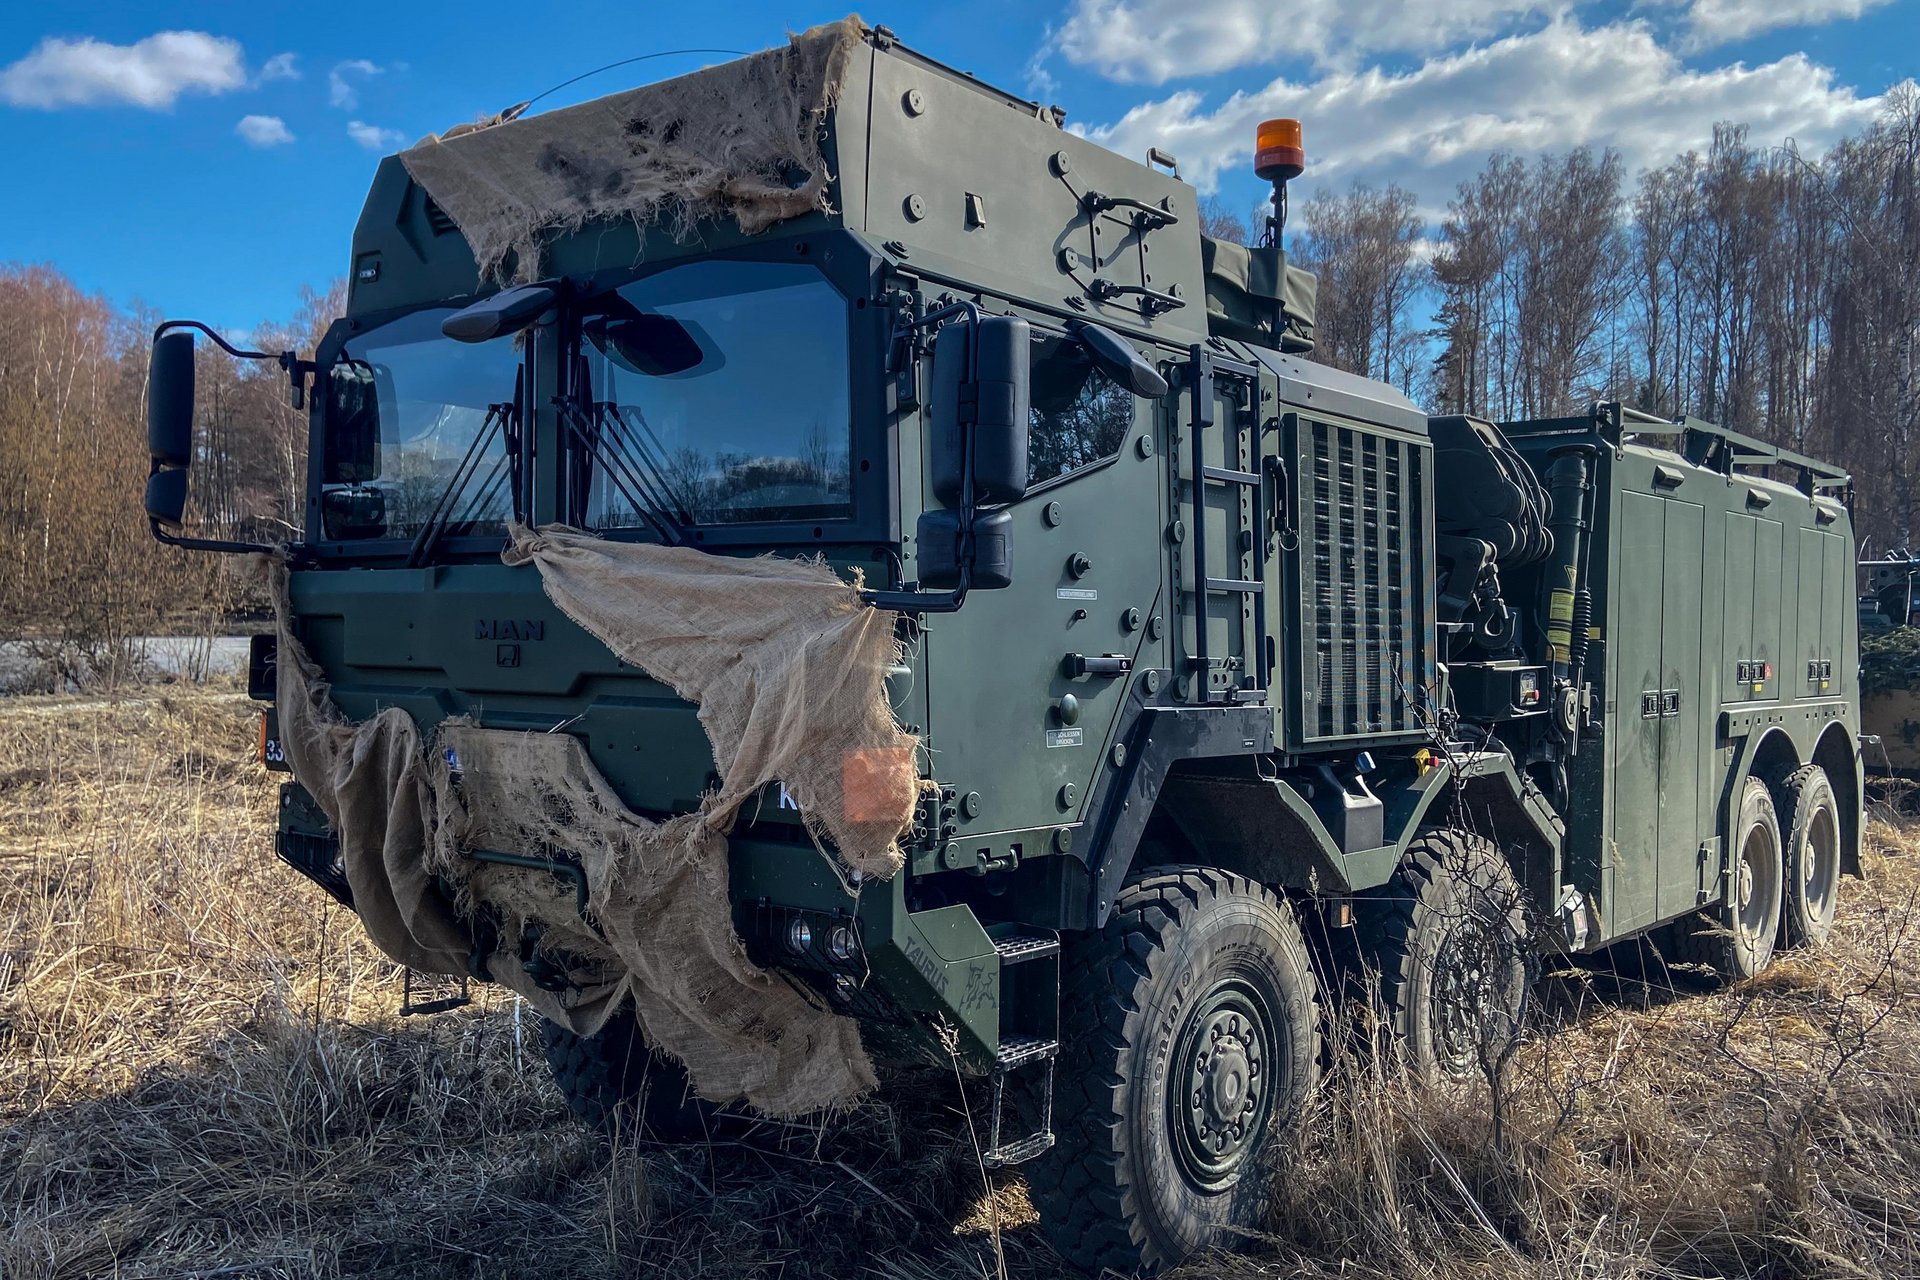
[{"x": 1226, "y": 664}]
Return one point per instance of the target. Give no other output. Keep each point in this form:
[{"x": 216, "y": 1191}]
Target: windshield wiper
[
  {"x": 501, "y": 419},
  {"x": 603, "y": 432}
]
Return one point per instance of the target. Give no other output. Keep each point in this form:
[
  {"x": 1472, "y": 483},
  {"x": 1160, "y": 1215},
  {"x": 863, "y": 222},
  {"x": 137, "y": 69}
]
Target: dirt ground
[{"x": 203, "y": 1073}]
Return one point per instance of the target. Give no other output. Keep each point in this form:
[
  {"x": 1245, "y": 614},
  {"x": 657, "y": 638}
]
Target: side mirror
[
  {"x": 170, "y": 400},
  {"x": 169, "y": 426},
  {"x": 981, "y": 396},
  {"x": 942, "y": 555},
  {"x": 166, "y": 500},
  {"x": 1115, "y": 357}
]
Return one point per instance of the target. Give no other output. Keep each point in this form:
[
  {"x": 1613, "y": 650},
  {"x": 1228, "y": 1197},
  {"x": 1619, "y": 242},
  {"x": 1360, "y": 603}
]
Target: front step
[
  {"x": 1017, "y": 948},
  {"x": 1017, "y": 1053}
]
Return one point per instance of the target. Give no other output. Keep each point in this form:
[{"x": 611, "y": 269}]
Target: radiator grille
[{"x": 1363, "y": 627}]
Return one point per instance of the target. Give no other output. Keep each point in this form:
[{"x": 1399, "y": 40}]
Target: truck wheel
[
  {"x": 613, "y": 1082},
  {"x": 1735, "y": 938},
  {"x": 1809, "y": 818},
  {"x": 1448, "y": 937},
  {"x": 1190, "y": 1034}
]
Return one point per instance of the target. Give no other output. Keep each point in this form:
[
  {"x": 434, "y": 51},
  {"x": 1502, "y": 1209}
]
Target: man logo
[{"x": 512, "y": 629}]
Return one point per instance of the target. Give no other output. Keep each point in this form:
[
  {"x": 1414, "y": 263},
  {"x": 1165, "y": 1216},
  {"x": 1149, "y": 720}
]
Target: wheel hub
[{"x": 1222, "y": 1111}]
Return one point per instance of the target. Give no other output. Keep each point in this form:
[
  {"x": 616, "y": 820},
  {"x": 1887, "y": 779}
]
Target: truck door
[{"x": 1011, "y": 724}]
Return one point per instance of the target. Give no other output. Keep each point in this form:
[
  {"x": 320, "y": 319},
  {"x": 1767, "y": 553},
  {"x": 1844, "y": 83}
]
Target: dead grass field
[{"x": 202, "y": 1074}]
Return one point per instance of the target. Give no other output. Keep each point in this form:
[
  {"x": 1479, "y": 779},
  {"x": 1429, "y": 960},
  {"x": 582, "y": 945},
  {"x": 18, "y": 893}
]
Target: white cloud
[
  {"x": 150, "y": 73},
  {"x": 264, "y": 131},
  {"x": 1714, "y": 22},
  {"x": 281, "y": 66},
  {"x": 373, "y": 137},
  {"x": 1159, "y": 40},
  {"x": 1559, "y": 87},
  {"x": 340, "y": 90}
]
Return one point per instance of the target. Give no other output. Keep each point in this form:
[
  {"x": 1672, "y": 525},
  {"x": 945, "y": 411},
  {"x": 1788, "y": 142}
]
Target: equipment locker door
[{"x": 1659, "y": 708}]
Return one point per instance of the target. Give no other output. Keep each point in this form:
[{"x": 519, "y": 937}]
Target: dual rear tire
[{"x": 1784, "y": 879}]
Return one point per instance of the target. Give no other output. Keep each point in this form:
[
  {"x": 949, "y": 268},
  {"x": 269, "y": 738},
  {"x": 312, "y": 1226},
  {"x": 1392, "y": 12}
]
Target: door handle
[{"x": 1107, "y": 665}]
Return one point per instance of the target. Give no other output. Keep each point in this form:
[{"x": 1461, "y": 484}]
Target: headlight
[
  {"x": 842, "y": 945},
  {"x": 799, "y": 937}
]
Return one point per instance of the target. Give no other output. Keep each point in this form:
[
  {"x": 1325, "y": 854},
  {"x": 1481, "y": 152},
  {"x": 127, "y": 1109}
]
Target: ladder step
[
  {"x": 1017, "y": 1152},
  {"x": 1017, "y": 1051},
  {"x": 1026, "y": 946},
  {"x": 1243, "y": 585},
  {"x": 1230, "y": 476}
]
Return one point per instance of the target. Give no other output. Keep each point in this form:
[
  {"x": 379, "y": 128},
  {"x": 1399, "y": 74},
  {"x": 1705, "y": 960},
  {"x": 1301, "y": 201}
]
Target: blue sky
[{"x": 214, "y": 170}]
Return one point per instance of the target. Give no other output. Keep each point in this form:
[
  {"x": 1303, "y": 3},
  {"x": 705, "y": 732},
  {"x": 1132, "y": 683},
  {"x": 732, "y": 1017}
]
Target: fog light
[
  {"x": 799, "y": 937},
  {"x": 845, "y": 989},
  {"x": 842, "y": 946}
]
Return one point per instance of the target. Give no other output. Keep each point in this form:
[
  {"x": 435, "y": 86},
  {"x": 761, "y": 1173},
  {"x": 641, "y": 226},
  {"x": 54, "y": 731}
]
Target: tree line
[
  {"x": 81, "y": 579},
  {"x": 1750, "y": 286}
]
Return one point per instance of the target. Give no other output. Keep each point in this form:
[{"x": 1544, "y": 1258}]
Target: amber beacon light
[{"x": 1277, "y": 153}]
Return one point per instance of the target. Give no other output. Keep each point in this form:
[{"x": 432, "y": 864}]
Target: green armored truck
[{"x": 812, "y": 563}]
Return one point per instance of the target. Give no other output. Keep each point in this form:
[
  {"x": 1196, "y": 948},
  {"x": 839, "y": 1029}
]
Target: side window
[{"x": 1079, "y": 416}]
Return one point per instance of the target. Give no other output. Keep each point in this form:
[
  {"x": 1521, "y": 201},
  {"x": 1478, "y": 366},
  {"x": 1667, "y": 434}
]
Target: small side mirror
[
  {"x": 1115, "y": 357},
  {"x": 981, "y": 396},
  {"x": 170, "y": 400},
  {"x": 166, "y": 500},
  {"x": 941, "y": 557}
]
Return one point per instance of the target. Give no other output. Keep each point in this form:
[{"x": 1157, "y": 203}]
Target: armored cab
[{"x": 820, "y": 526}]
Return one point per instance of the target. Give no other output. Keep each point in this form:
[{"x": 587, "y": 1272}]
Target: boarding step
[
  {"x": 1017, "y": 947},
  {"x": 1017, "y": 1053}
]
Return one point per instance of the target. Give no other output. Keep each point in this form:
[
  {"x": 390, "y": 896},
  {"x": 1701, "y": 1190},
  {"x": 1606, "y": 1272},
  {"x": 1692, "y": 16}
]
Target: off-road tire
[
  {"x": 1142, "y": 1002},
  {"x": 1734, "y": 940},
  {"x": 613, "y": 1082},
  {"x": 1809, "y": 816},
  {"x": 1447, "y": 941}
]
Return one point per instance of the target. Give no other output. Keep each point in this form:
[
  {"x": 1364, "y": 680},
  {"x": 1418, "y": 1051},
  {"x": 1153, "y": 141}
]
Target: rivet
[
  {"x": 1144, "y": 447},
  {"x": 1119, "y": 754},
  {"x": 1063, "y": 839},
  {"x": 1177, "y": 531},
  {"x": 1079, "y": 565},
  {"x": 1153, "y": 682},
  {"x": 1062, "y": 163},
  {"x": 1153, "y": 627},
  {"x": 916, "y": 208},
  {"x": 915, "y": 102},
  {"x": 1068, "y": 709},
  {"x": 1051, "y": 514},
  {"x": 970, "y": 804},
  {"x": 1130, "y": 620},
  {"x": 1067, "y": 794}
]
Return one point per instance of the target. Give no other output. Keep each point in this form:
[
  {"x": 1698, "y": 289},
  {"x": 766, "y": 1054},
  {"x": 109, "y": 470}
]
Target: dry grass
[{"x": 202, "y": 1074}]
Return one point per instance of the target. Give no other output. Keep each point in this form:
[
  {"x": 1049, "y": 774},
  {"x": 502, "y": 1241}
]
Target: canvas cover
[
  {"x": 787, "y": 666},
  {"x": 739, "y": 140},
  {"x": 1256, "y": 295}
]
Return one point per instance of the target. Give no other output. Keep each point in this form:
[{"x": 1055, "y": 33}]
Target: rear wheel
[
  {"x": 1448, "y": 938},
  {"x": 1810, "y": 828},
  {"x": 614, "y": 1082},
  {"x": 1191, "y": 1035},
  {"x": 1735, "y": 939}
]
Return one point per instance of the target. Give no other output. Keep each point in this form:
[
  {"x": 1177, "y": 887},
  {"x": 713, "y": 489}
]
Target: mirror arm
[
  {"x": 206, "y": 544},
  {"x": 919, "y": 602}
]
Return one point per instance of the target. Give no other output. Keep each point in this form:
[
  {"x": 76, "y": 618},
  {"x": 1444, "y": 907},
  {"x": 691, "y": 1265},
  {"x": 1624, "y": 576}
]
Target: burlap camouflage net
[
  {"x": 788, "y": 669},
  {"x": 739, "y": 140}
]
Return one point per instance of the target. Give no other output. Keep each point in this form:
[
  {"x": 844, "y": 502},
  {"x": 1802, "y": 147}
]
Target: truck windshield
[
  {"x": 417, "y": 420},
  {"x": 720, "y": 396}
]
